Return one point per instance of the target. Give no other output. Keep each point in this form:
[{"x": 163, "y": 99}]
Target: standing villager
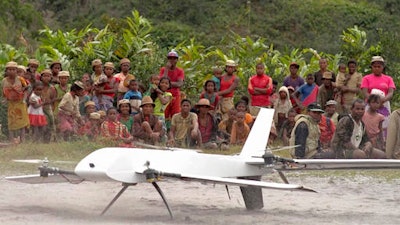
[
  {"x": 348, "y": 85},
  {"x": 259, "y": 88},
  {"x": 49, "y": 95},
  {"x": 68, "y": 111},
  {"x": 176, "y": 75},
  {"x": 380, "y": 81},
  {"x": 123, "y": 77},
  {"x": 229, "y": 83},
  {"x": 13, "y": 90}
]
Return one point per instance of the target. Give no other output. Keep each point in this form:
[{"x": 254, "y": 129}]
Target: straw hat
[
  {"x": 109, "y": 65},
  {"x": 33, "y": 62},
  {"x": 22, "y": 68},
  {"x": 63, "y": 74},
  {"x": 123, "y": 101},
  {"x": 11, "y": 64},
  {"x": 88, "y": 103},
  {"x": 79, "y": 84},
  {"x": 377, "y": 59},
  {"x": 331, "y": 102},
  {"x": 48, "y": 71},
  {"x": 230, "y": 63},
  {"x": 327, "y": 75},
  {"x": 147, "y": 100},
  {"x": 55, "y": 62},
  {"x": 97, "y": 62},
  {"x": 124, "y": 60},
  {"x": 94, "y": 115},
  {"x": 203, "y": 102}
]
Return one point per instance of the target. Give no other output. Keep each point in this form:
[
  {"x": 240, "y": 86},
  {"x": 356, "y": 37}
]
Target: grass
[{"x": 76, "y": 150}]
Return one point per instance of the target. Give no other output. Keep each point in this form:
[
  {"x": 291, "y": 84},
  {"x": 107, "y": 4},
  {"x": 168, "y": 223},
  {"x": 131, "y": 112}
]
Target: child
[
  {"x": 210, "y": 93},
  {"x": 125, "y": 114},
  {"x": 134, "y": 96},
  {"x": 111, "y": 86},
  {"x": 217, "y": 73},
  {"x": 373, "y": 121},
  {"x": 91, "y": 129},
  {"x": 62, "y": 87},
  {"x": 242, "y": 106},
  {"x": 13, "y": 91},
  {"x": 90, "y": 107},
  {"x": 162, "y": 98},
  {"x": 240, "y": 130},
  {"x": 49, "y": 95},
  {"x": 103, "y": 101},
  {"x": 37, "y": 119},
  {"x": 153, "y": 85},
  {"x": 282, "y": 107},
  {"x": 68, "y": 111},
  {"x": 308, "y": 93},
  {"x": 225, "y": 126},
  {"x": 115, "y": 131},
  {"x": 287, "y": 127}
]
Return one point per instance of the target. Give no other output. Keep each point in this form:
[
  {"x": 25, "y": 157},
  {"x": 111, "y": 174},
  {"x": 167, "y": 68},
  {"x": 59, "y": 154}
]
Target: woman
[{"x": 378, "y": 80}]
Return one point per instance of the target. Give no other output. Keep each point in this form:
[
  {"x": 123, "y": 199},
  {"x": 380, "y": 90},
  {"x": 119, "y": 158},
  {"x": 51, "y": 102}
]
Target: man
[
  {"x": 306, "y": 134},
  {"x": 326, "y": 91},
  {"x": 208, "y": 126},
  {"x": 330, "y": 111},
  {"x": 184, "y": 127},
  {"x": 323, "y": 67},
  {"x": 260, "y": 88},
  {"x": 350, "y": 140},
  {"x": 229, "y": 83},
  {"x": 147, "y": 126},
  {"x": 349, "y": 85},
  {"x": 123, "y": 77},
  {"x": 293, "y": 80},
  {"x": 176, "y": 75}
]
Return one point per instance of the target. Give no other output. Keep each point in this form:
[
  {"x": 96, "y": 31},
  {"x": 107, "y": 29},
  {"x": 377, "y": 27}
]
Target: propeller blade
[{"x": 41, "y": 161}]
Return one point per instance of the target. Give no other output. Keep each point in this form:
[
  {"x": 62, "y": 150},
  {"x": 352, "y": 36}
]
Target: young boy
[
  {"x": 134, "y": 96},
  {"x": 240, "y": 130}
]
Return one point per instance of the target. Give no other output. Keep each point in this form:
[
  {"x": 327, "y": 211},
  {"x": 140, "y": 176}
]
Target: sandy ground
[{"x": 356, "y": 200}]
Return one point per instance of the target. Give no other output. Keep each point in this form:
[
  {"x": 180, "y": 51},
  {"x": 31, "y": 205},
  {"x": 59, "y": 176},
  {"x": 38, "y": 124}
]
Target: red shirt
[
  {"x": 327, "y": 129},
  {"x": 260, "y": 81},
  {"x": 225, "y": 84},
  {"x": 174, "y": 76}
]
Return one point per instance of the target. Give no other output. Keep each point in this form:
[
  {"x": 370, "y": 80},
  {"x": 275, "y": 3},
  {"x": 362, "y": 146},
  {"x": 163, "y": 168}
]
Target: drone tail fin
[{"x": 259, "y": 133}]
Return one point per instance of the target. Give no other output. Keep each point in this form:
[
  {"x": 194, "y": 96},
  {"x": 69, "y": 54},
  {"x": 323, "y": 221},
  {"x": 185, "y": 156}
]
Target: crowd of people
[{"x": 322, "y": 116}]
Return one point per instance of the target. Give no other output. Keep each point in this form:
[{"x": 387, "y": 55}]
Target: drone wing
[
  {"x": 245, "y": 183},
  {"x": 337, "y": 164}
]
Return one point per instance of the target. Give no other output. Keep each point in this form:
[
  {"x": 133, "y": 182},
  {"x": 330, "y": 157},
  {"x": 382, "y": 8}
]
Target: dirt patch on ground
[{"x": 356, "y": 200}]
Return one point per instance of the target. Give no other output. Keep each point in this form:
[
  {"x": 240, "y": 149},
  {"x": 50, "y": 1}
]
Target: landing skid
[{"x": 123, "y": 189}]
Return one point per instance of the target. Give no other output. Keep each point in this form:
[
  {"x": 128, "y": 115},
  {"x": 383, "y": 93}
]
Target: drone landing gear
[{"x": 123, "y": 189}]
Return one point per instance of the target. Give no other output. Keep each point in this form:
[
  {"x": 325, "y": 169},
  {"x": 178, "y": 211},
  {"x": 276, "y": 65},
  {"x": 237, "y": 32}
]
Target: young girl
[
  {"x": 114, "y": 131},
  {"x": 162, "y": 98},
  {"x": 49, "y": 95},
  {"x": 124, "y": 116},
  {"x": 241, "y": 106},
  {"x": 240, "y": 130},
  {"x": 68, "y": 111},
  {"x": 61, "y": 88},
  {"x": 37, "y": 118},
  {"x": 373, "y": 121},
  {"x": 210, "y": 93},
  {"x": 282, "y": 106},
  {"x": 13, "y": 91}
]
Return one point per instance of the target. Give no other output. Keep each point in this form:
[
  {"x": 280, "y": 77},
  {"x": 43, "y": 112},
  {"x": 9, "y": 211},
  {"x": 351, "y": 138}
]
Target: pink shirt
[{"x": 383, "y": 83}]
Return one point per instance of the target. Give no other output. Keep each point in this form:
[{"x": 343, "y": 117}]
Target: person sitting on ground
[
  {"x": 393, "y": 136},
  {"x": 240, "y": 130},
  {"x": 91, "y": 129},
  {"x": 90, "y": 107},
  {"x": 207, "y": 124},
  {"x": 225, "y": 126},
  {"x": 330, "y": 111},
  {"x": 125, "y": 115},
  {"x": 146, "y": 125},
  {"x": 350, "y": 140},
  {"x": 114, "y": 132},
  {"x": 184, "y": 127},
  {"x": 242, "y": 106},
  {"x": 287, "y": 127},
  {"x": 306, "y": 134}
]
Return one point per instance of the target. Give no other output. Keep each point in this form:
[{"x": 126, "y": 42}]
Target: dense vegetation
[{"x": 205, "y": 33}]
